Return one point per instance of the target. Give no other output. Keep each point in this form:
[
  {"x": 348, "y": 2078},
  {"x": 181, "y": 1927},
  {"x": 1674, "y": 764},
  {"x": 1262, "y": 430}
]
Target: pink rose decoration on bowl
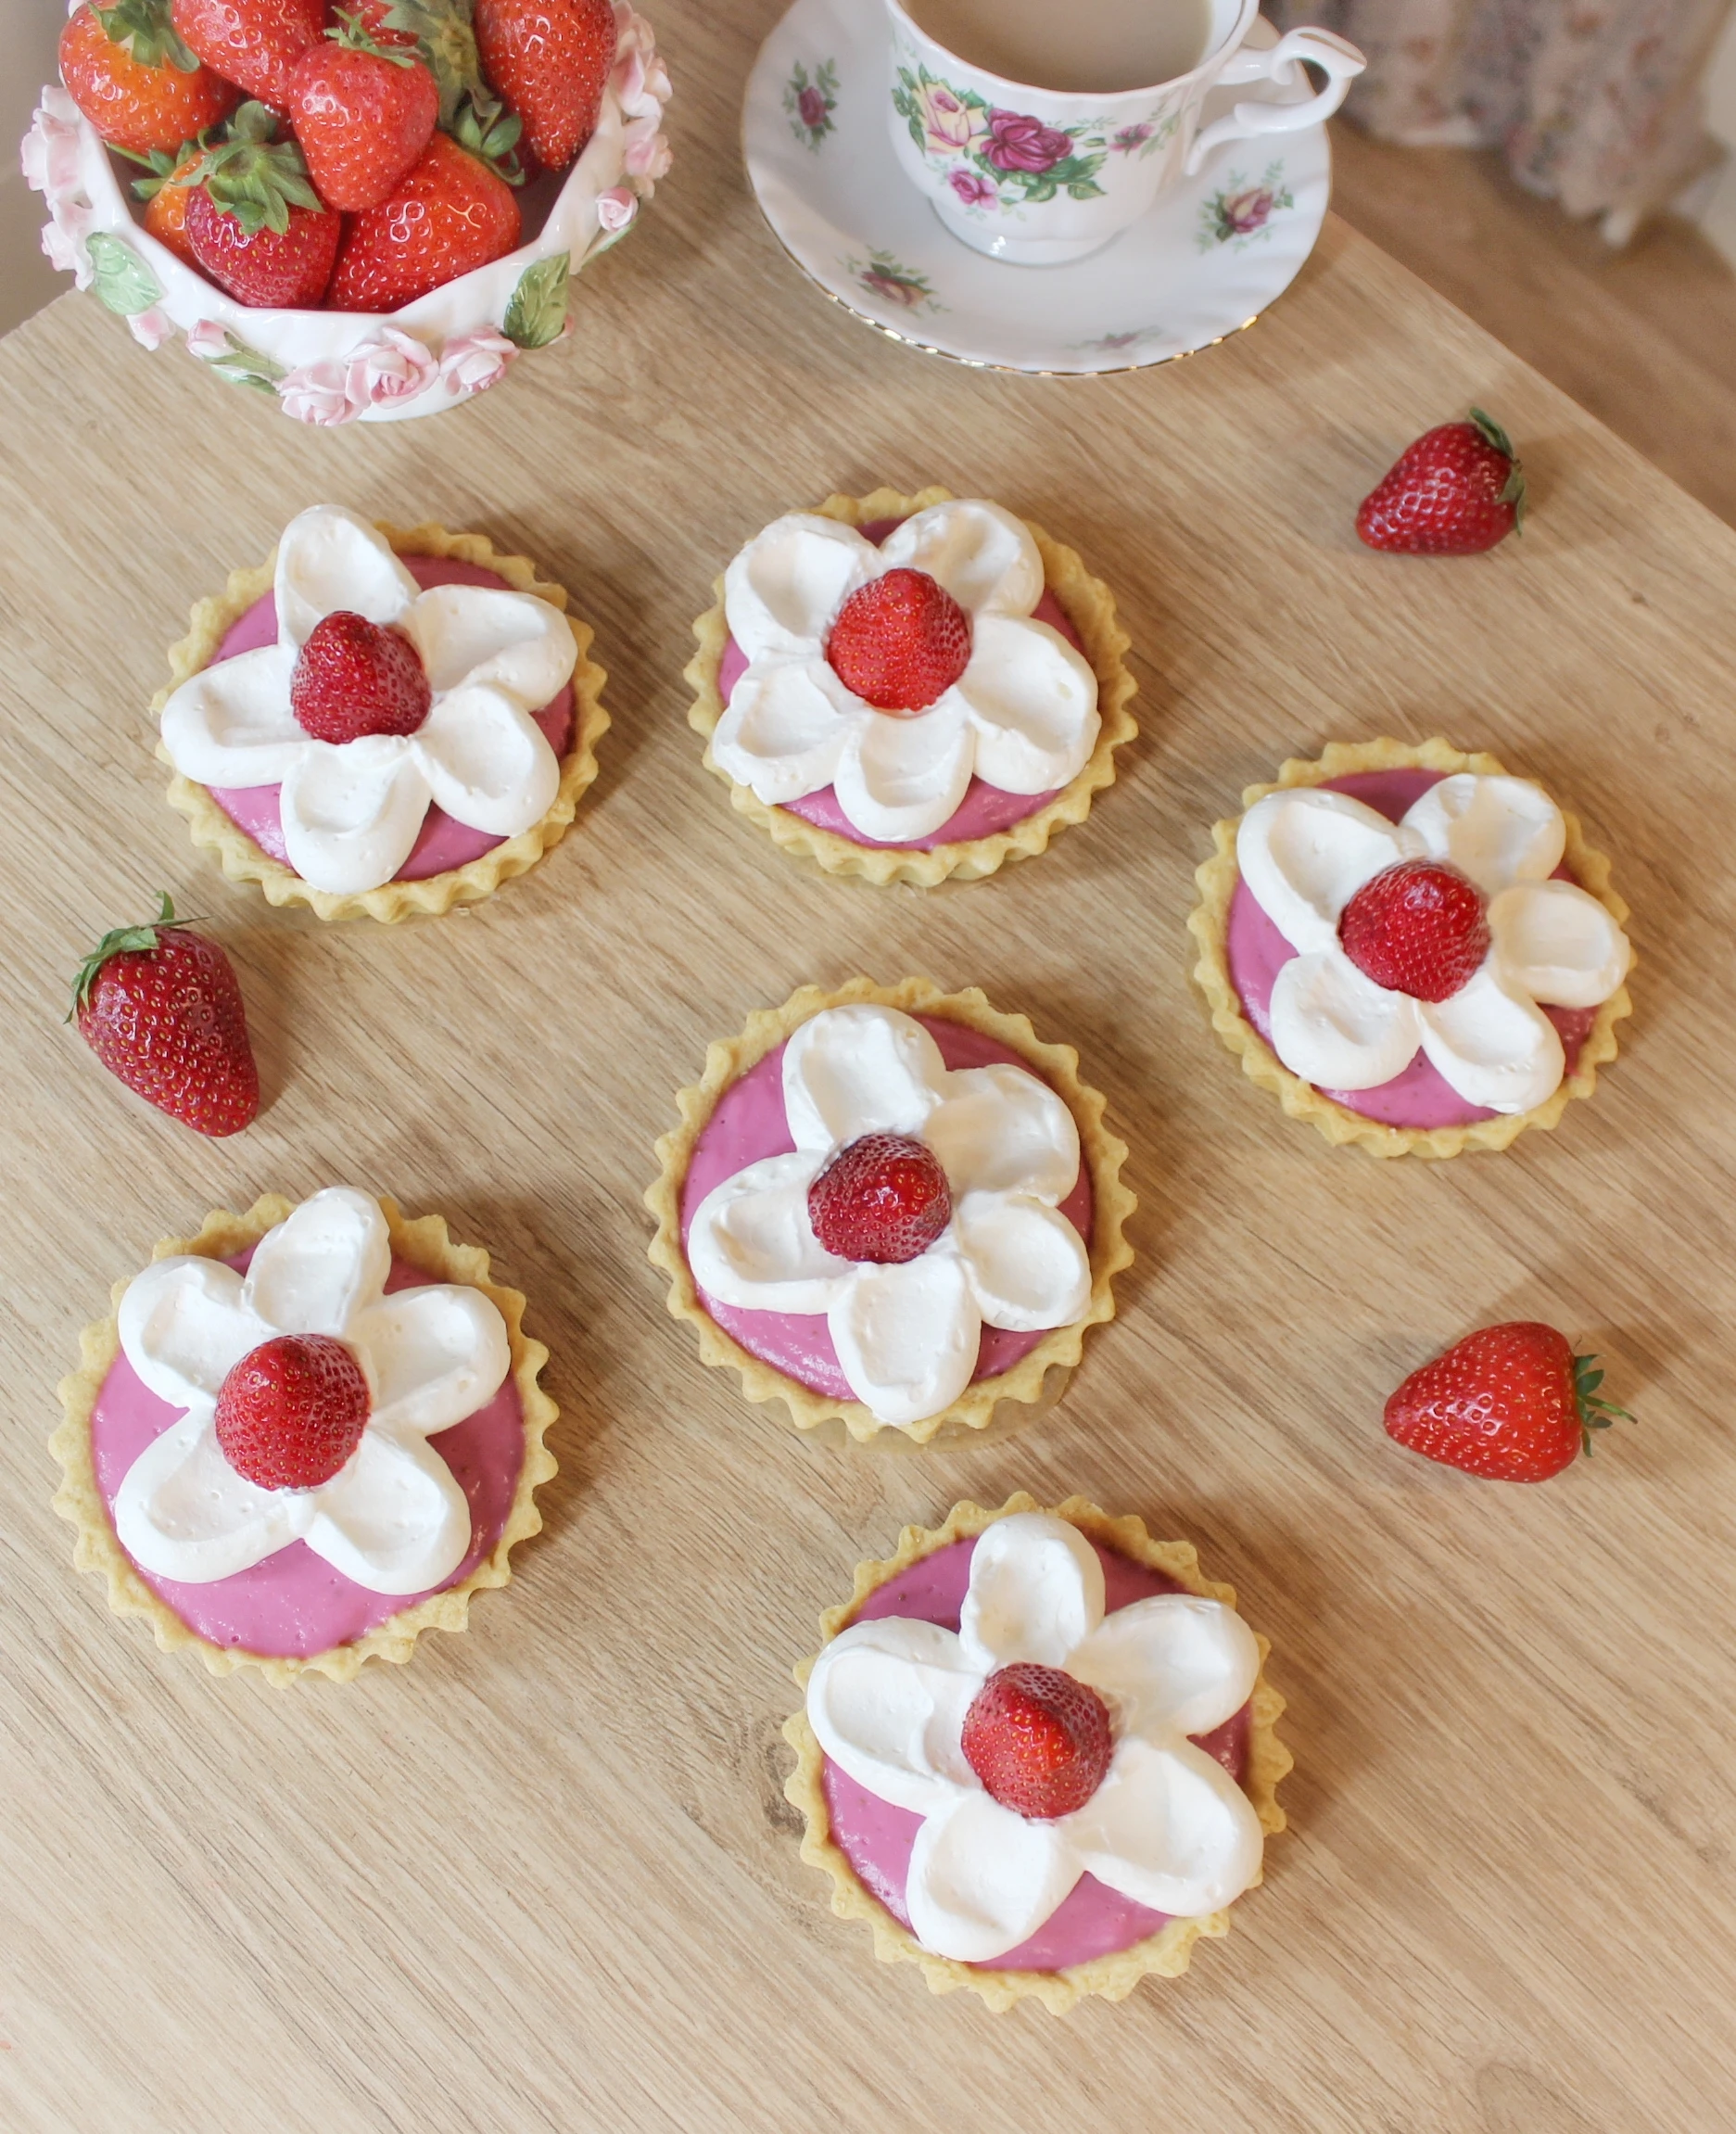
[
  {"x": 474, "y": 361},
  {"x": 616, "y": 208},
  {"x": 1021, "y": 142},
  {"x": 396, "y": 367},
  {"x": 317, "y": 393}
]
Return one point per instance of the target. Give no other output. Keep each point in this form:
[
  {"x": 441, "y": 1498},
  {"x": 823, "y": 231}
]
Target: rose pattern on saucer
[
  {"x": 1167, "y": 1825},
  {"x": 882, "y": 275},
  {"x": 810, "y": 101},
  {"x": 1238, "y": 213}
]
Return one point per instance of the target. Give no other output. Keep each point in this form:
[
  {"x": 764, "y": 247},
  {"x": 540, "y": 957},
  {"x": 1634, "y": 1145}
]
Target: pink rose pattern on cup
[{"x": 1008, "y": 159}]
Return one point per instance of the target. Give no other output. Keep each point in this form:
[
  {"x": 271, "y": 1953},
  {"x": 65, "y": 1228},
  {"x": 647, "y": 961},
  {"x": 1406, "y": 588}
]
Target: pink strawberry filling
[
  {"x": 985, "y": 810},
  {"x": 876, "y": 1838},
  {"x": 443, "y": 843},
  {"x": 294, "y": 1605},
  {"x": 749, "y": 1124},
  {"x": 1257, "y": 952}
]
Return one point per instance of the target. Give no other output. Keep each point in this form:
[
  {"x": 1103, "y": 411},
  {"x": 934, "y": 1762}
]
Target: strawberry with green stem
[
  {"x": 252, "y": 43},
  {"x": 1512, "y": 1402},
  {"x": 254, "y": 222},
  {"x": 362, "y": 113},
  {"x": 131, "y": 74},
  {"x": 449, "y": 214},
  {"x": 1460, "y": 488}
]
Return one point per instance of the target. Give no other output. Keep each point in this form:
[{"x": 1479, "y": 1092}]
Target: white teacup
[{"x": 1040, "y": 176}]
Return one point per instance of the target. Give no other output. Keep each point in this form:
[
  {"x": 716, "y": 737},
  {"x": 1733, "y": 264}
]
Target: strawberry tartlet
[
  {"x": 910, "y": 689},
  {"x": 1412, "y": 950},
  {"x": 305, "y": 1436},
  {"x": 892, "y": 1208},
  {"x": 378, "y": 722},
  {"x": 1037, "y": 1754}
]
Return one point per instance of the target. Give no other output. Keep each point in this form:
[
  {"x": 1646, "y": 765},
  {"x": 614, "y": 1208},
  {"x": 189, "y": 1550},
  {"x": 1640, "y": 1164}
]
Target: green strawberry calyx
[
  {"x": 491, "y": 133},
  {"x": 144, "y": 28},
  {"x": 253, "y": 175},
  {"x": 1513, "y": 488},
  {"x": 122, "y": 941},
  {"x": 1595, "y": 1413},
  {"x": 347, "y": 33}
]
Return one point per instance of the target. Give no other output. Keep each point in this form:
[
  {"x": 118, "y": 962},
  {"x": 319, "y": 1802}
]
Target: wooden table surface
[{"x": 545, "y": 1878}]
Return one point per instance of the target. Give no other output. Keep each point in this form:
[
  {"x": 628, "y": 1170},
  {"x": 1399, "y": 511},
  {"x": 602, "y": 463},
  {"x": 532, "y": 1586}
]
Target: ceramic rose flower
[
  {"x": 907, "y": 1333},
  {"x": 396, "y": 367},
  {"x": 616, "y": 208},
  {"x": 973, "y": 190},
  {"x": 947, "y": 122},
  {"x": 393, "y": 1517},
  {"x": 1167, "y": 1825},
  {"x": 352, "y": 810},
  {"x": 1305, "y": 853},
  {"x": 1023, "y": 715},
  {"x": 319, "y": 393},
  {"x": 1019, "y": 142},
  {"x": 473, "y": 362},
  {"x": 49, "y": 159},
  {"x": 1244, "y": 212}
]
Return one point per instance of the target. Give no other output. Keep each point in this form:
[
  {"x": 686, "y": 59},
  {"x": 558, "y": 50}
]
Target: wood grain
[{"x": 544, "y": 1877}]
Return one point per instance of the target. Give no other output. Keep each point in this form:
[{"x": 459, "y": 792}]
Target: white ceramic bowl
[{"x": 332, "y": 367}]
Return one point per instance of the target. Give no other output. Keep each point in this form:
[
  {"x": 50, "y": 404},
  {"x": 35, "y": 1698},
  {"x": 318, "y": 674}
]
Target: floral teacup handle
[{"x": 1340, "y": 61}]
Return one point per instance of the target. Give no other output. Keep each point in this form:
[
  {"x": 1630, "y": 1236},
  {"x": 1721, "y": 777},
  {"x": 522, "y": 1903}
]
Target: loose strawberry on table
[
  {"x": 551, "y": 59},
  {"x": 253, "y": 43},
  {"x": 1512, "y": 1402},
  {"x": 255, "y": 223},
  {"x": 448, "y": 215},
  {"x": 362, "y": 113},
  {"x": 135, "y": 81},
  {"x": 161, "y": 1008},
  {"x": 1457, "y": 491}
]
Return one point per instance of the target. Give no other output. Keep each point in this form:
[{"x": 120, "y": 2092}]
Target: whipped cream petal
[
  {"x": 329, "y": 558},
  {"x": 1035, "y": 1592},
  {"x": 182, "y": 1512},
  {"x": 486, "y": 761},
  {"x": 750, "y": 1245},
  {"x": 1025, "y": 1263},
  {"x": 433, "y": 1356},
  {"x": 1557, "y": 942},
  {"x": 1169, "y": 1828},
  {"x": 981, "y": 1879},
  {"x": 477, "y": 634},
  {"x": 785, "y": 729},
  {"x": 1305, "y": 852},
  {"x": 983, "y": 555},
  {"x": 906, "y": 1336},
  {"x": 393, "y": 1518},
  {"x": 887, "y": 1701},
  {"x": 184, "y": 1323},
  {"x": 231, "y": 724},
  {"x": 351, "y": 815},
  {"x": 1492, "y": 1044},
  {"x": 1337, "y": 1028},
  {"x": 859, "y": 1070},
  {"x": 1033, "y": 701},
  {"x": 1000, "y": 1130},
  {"x": 325, "y": 1263},
  {"x": 899, "y": 779},
  {"x": 1175, "y": 1664},
  {"x": 1498, "y": 831},
  {"x": 782, "y": 590}
]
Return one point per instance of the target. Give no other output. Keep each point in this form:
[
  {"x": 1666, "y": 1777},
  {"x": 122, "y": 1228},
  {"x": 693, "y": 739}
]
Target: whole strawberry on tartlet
[
  {"x": 379, "y": 722},
  {"x": 1037, "y": 1754},
  {"x": 1412, "y": 950},
  {"x": 1511, "y": 1402},
  {"x": 893, "y": 1209},
  {"x": 305, "y": 1436},
  {"x": 911, "y": 688}
]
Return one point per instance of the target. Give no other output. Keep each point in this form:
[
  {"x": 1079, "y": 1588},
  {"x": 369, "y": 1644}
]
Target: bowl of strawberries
[{"x": 366, "y": 209}]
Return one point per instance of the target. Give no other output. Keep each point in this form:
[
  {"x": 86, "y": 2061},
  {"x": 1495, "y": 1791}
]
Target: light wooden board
[{"x": 544, "y": 1878}]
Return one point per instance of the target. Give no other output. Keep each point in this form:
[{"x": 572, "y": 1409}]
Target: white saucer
[{"x": 1205, "y": 261}]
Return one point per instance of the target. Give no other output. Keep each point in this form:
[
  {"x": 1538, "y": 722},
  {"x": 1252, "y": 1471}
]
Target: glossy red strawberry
[
  {"x": 159, "y": 1007},
  {"x": 254, "y": 222},
  {"x": 447, "y": 215},
  {"x": 551, "y": 59},
  {"x": 900, "y": 642},
  {"x": 166, "y": 193},
  {"x": 885, "y": 1198},
  {"x": 134, "y": 78},
  {"x": 1512, "y": 1402},
  {"x": 292, "y": 1411},
  {"x": 1457, "y": 491},
  {"x": 252, "y": 43},
  {"x": 353, "y": 677},
  {"x": 362, "y": 113},
  {"x": 1038, "y": 1739},
  {"x": 1418, "y": 928}
]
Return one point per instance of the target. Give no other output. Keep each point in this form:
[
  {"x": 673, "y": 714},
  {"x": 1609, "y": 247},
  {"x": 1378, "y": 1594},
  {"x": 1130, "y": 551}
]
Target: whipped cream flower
[
  {"x": 905, "y": 1329},
  {"x": 393, "y": 1517},
  {"x": 352, "y": 810},
  {"x": 1022, "y": 714},
  {"x": 1307, "y": 855},
  {"x": 1166, "y": 1825}
]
